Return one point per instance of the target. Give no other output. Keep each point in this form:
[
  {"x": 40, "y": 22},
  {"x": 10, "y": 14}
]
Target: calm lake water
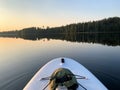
[{"x": 20, "y": 59}]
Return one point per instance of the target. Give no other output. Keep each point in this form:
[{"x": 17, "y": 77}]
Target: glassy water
[{"x": 20, "y": 59}]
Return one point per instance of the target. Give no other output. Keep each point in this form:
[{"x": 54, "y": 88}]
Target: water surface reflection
[
  {"x": 110, "y": 39},
  {"x": 20, "y": 59}
]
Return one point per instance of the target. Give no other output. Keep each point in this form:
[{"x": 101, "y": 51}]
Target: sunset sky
[{"x": 18, "y": 14}]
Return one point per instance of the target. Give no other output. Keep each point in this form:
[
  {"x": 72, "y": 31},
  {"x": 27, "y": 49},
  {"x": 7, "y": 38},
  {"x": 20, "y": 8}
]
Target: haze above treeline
[{"x": 109, "y": 25}]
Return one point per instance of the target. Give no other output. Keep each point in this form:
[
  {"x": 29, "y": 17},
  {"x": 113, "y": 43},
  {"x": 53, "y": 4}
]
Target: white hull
[{"x": 91, "y": 83}]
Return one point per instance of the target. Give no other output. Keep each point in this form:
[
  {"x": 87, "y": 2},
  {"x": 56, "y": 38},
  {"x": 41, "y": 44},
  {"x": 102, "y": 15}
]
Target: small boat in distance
[{"x": 64, "y": 74}]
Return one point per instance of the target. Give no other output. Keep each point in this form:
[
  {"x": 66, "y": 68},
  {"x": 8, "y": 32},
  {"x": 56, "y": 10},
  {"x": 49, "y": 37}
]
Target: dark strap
[
  {"x": 82, "y": 86},
  {"x": 46, "y": 86}
]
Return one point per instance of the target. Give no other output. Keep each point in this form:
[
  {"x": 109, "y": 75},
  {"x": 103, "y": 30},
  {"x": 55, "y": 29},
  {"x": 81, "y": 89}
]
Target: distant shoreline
[{"x": 111, "y": 24}]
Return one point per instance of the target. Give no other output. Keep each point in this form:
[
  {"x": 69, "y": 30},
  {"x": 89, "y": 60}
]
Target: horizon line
[{"x": 45, "y": 26}]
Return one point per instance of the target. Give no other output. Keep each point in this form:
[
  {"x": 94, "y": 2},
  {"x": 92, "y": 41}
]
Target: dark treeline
[
  {"x": 9, "y": 34},
  {"x": 95, "y": 32},
  {"x": 110, "y": 25}
]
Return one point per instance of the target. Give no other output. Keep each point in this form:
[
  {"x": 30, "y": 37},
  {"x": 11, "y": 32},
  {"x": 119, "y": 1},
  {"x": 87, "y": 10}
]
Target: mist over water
[{"x": 21, "y": 58}]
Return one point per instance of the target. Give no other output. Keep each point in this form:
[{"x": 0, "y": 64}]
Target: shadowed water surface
[{"x": 20, "y": 59}]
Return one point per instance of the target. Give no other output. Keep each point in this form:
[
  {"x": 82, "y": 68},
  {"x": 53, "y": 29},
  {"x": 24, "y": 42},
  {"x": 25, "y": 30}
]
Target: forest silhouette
[{"x": 106, "y": 31}]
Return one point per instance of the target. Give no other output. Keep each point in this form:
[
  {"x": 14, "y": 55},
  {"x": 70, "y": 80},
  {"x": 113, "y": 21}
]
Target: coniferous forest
[
  {"x": 110, "y": 25},
  {"x": 106, "y": 31}
]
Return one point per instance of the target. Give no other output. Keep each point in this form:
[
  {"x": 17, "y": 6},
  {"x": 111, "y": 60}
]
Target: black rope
[
  {"x": 82, "y": 86},
  {"x": 81, "y": 77},
  {"x": 46, "y": 78},
  {"x": 46, "y": 86}
]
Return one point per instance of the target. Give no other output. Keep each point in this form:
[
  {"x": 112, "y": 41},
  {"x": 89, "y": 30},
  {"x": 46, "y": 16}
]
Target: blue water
[{"x": 20, "y": 59}]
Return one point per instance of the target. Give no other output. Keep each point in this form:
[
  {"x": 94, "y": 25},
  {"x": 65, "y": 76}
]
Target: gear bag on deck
[{"x": 63, "y": 77}]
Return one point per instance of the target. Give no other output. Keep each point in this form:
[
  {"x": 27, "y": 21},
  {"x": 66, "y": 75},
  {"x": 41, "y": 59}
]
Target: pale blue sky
[{"x": 17, "y": 14}]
